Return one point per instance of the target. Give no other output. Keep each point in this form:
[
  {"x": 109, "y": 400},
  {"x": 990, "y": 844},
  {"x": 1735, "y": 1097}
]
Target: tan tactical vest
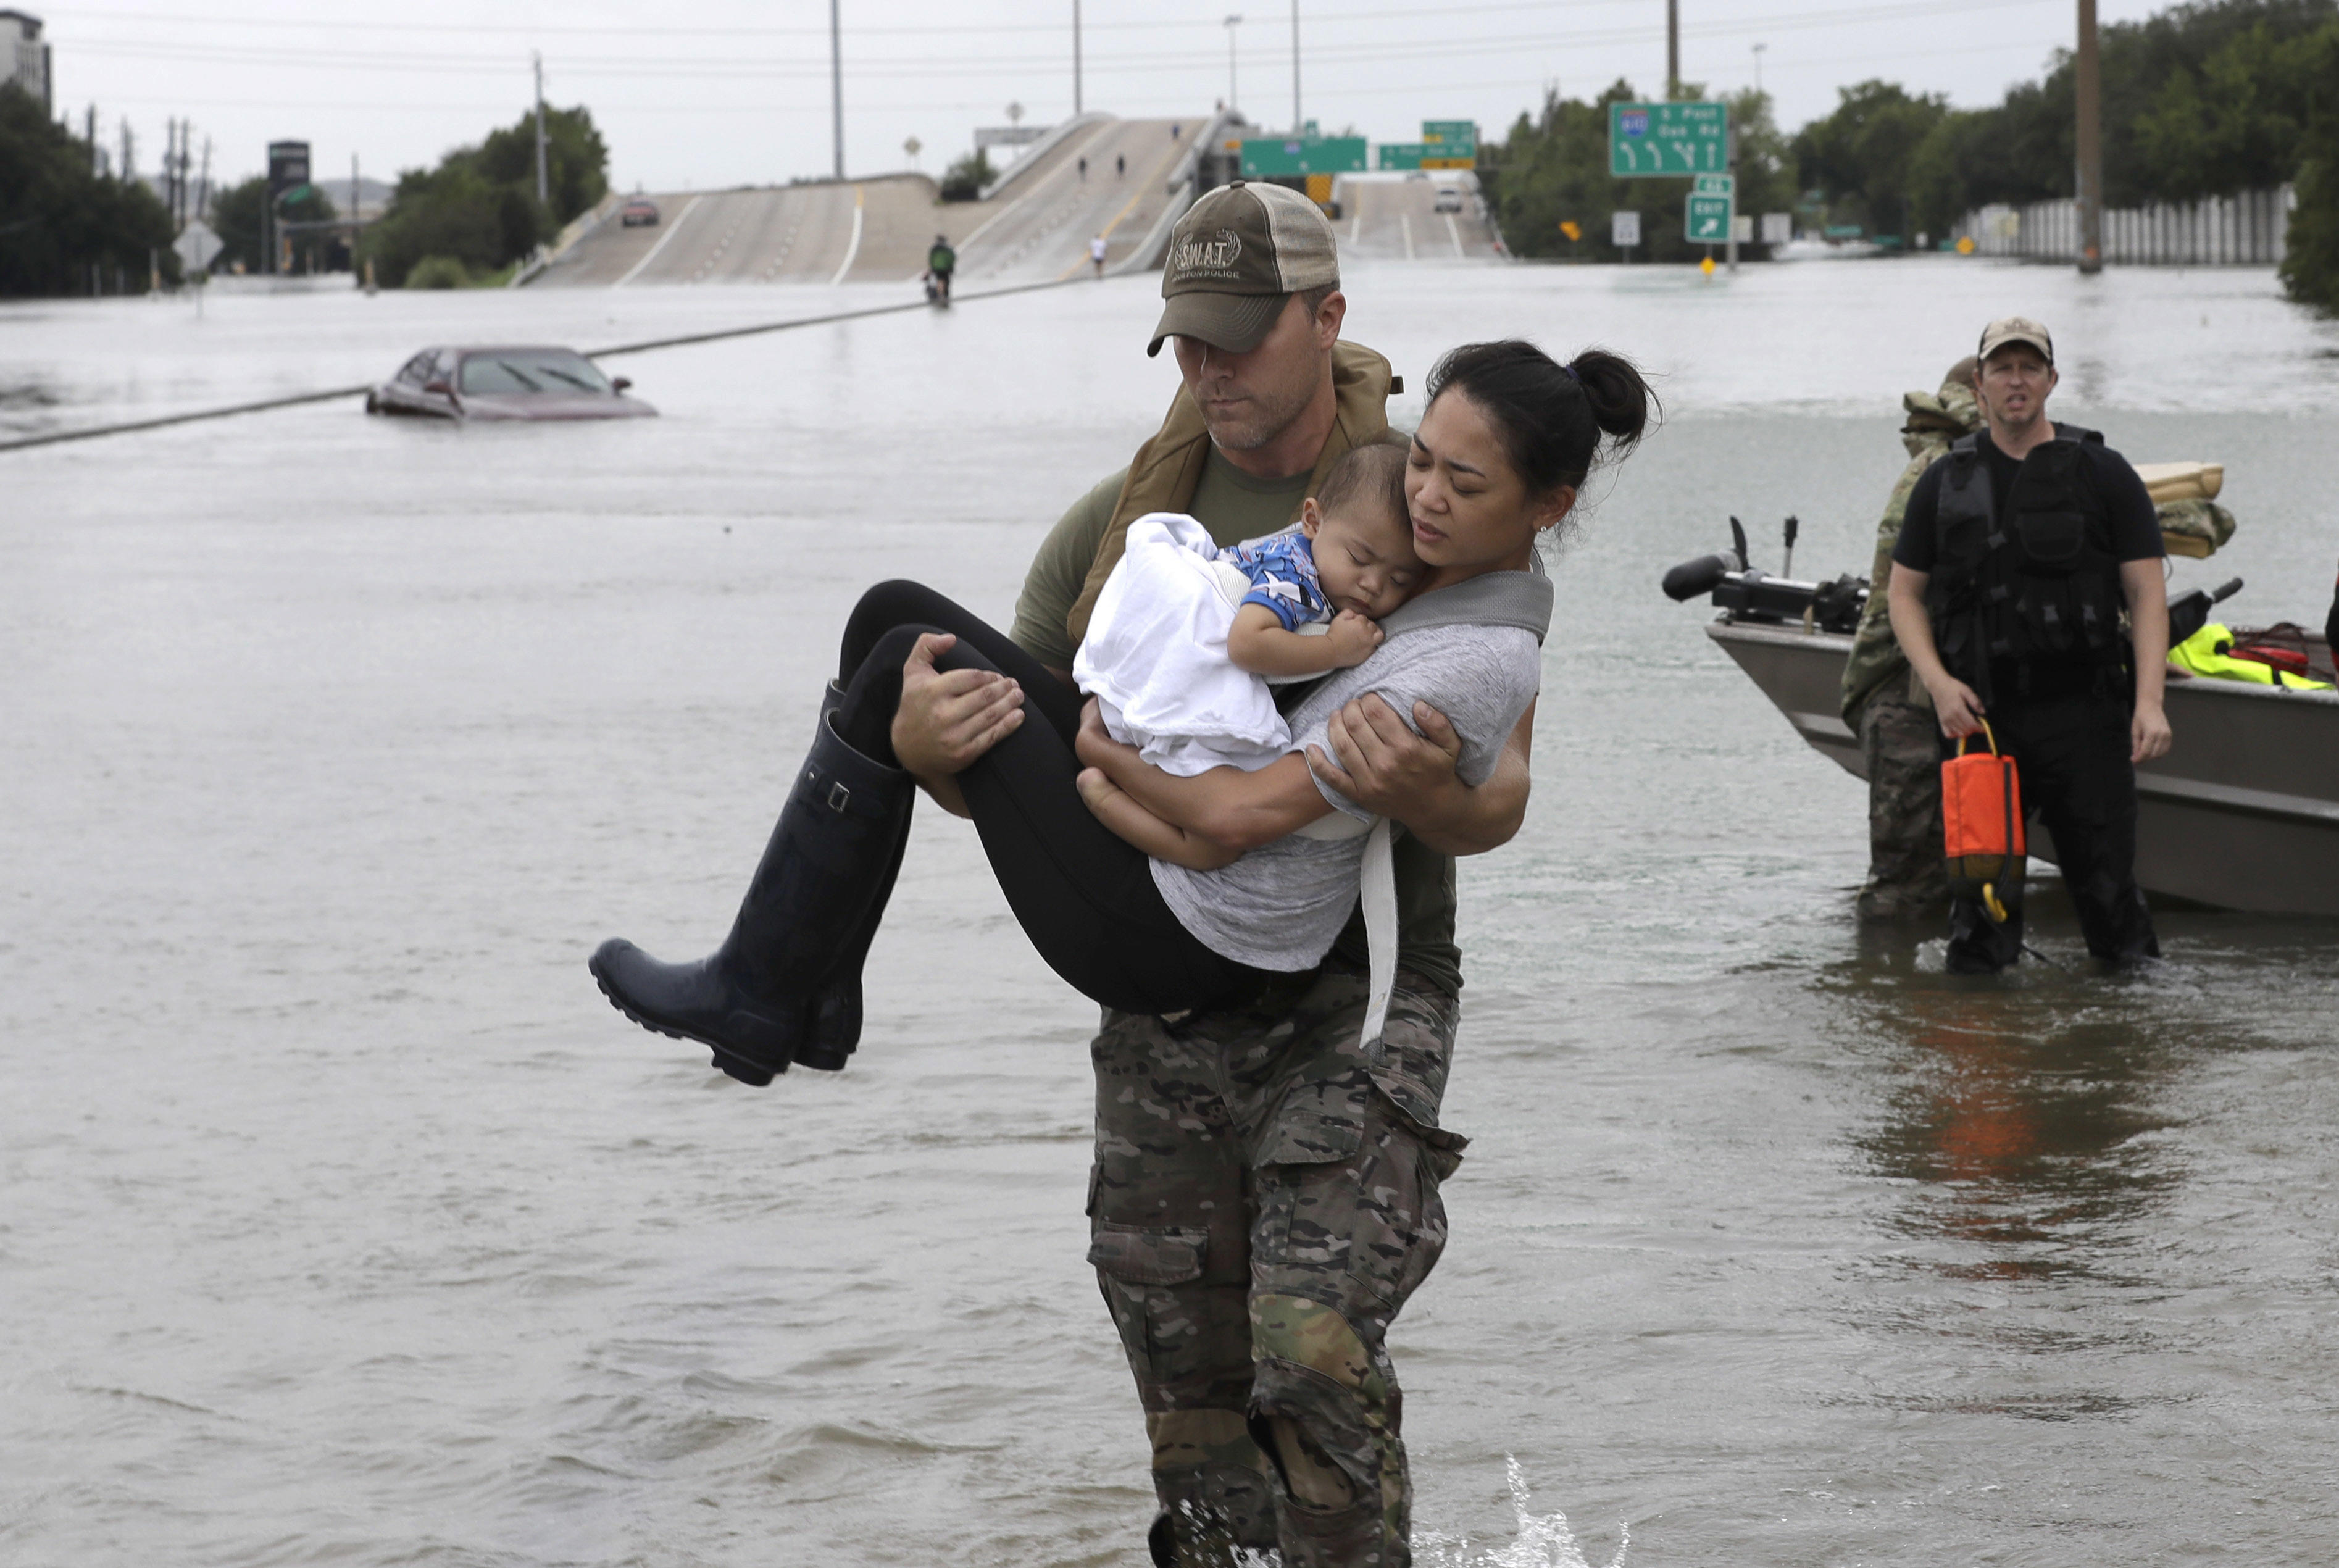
[{"x": 1167, "y": 469}]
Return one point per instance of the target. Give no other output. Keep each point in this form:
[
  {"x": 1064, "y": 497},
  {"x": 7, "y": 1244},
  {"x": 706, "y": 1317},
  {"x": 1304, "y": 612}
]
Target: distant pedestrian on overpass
[
  {"x": 1120, "y": 164},
  {"x": 1096, "y": 253},
  {"x": 1084, "y": 167}
]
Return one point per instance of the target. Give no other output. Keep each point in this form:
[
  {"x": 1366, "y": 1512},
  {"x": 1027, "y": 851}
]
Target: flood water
[{"x": 341, "y": 1219}]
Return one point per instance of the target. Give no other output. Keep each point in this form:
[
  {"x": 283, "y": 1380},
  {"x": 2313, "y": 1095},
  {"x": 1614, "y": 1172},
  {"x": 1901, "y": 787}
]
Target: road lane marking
[
  {"x": 672, "y": 230},
  {"x": 852, "y": 247},
  {"x": 1455, "y": 231},
  {"x": 1404, "y": 221}
]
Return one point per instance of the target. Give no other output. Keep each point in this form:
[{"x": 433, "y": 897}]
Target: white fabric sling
[{"x": 1521, "y": 599}]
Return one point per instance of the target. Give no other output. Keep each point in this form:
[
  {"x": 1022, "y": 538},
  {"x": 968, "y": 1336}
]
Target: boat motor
[
  {"x": 1747, "y": 593},
  {"x": 2187, "y": 613}
]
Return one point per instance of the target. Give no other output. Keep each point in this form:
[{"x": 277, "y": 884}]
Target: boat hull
[{"x": 2242, "y": 813}]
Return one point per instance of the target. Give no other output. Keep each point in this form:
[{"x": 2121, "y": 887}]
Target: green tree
[
  {"x": 2309, "y": 263},
  {"x": 235, "y": 216},
  {"x": 478, "y": 207},
  {"x": 1862, "y": 158},
  {"x": 58, "y": 219},
  {"x": 966, "y": 180}
]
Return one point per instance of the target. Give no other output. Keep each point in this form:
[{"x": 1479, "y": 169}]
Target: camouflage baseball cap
[
  {"x": 1235, "y": 257},
  {"x": 2015, "y": 329}
]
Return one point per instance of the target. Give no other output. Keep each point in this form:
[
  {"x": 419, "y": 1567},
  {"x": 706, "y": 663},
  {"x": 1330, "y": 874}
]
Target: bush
[
  {"x": 438, "y": 272},
  {"x": 966, "y": 180},
  {"x": 478, "y": 207},
  {"x": 2310, "y": 262}
]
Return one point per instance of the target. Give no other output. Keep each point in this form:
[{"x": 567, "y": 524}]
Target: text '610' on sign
[{"x": 1647, "y": 141}]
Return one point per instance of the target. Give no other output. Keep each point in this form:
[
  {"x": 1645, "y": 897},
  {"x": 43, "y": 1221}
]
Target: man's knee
[{"x": 1325, "y": 1409}]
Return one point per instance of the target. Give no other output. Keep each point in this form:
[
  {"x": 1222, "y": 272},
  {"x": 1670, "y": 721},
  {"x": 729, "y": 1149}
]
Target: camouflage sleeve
[{"x": 1875, "y": 656}]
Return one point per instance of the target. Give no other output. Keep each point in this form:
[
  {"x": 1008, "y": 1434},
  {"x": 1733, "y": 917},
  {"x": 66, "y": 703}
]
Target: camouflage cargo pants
[
  {"x": 1903, "y": 744},
  {"x": 1265, "y": 1199}
]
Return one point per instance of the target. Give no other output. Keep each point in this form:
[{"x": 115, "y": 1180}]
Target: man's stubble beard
[{"x": 1273, "y": 419}]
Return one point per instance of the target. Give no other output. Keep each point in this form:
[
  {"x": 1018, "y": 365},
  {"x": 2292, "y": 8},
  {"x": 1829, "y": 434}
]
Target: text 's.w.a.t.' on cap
[
  {"x": 2015, "y": 329},
  {"x": 1235, "y": 257}
]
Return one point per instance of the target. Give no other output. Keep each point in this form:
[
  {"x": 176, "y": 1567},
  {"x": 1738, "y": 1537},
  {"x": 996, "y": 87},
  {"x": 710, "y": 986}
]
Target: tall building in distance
[{"x": 27, "y": 60}]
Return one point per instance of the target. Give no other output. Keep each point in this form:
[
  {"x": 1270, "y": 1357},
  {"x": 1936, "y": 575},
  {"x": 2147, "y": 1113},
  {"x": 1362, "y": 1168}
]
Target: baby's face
[{"x": 1365, "y": 559}]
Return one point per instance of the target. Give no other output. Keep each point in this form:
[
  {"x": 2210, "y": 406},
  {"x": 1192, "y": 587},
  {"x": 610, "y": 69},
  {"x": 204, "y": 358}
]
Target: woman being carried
[{"x": 1203, "y": 888}]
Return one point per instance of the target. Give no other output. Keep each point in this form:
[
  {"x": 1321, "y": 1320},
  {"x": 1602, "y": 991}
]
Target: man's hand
[
  {"x": 1383, "y": 766},
  {"x": 947, "y": 718},
  {"x": 2148, "y": 735},
  {"x": 1094, "y": 745},
  {"x": 1956, "y": 705},
  {"x": 1352, "y": 639}
]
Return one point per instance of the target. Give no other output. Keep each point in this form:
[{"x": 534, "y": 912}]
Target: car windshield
[{"x": 527, "y": 370}]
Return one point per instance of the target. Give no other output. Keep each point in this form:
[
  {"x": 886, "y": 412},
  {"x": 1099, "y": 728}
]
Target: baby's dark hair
[
  {"x": 1551, "y": 417},
  {"x": 1370, "y": 477}
]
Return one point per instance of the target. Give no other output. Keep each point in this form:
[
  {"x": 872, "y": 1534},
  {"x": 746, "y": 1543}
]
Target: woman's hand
[{"x": 1381, "y": 764}]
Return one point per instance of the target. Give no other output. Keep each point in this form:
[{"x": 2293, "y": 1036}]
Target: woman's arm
[{"x": 1232, "y": 809}]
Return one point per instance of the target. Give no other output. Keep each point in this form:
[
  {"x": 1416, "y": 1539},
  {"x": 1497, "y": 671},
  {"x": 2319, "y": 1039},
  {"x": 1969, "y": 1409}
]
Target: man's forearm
[{"x": 2148, "y": 614}]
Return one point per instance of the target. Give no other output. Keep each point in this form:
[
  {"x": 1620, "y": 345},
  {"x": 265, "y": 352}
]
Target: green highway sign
[
  {"x": 1647, "y": 141},
  {"x": 1706, "y": 221},
  {"x": 1443, "y": 130},
  {"x": 1424, "y": 155},
  {"x": 1715, "y": 186},
  {"x": 1265, "y": 156}
]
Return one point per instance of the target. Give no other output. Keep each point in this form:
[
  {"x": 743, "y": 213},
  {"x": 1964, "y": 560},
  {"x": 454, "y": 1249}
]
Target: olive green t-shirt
[{"x": 1233, "y": 506}]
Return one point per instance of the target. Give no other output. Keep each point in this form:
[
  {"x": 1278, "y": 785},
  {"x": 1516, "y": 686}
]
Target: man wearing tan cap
[
  {"x": 2019, "y": 552},
  {"x": 1264, "y": 1198}
]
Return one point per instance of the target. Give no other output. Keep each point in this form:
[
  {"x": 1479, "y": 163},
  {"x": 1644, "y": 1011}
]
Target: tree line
[
  {"x": 475, "y": 217},
  {"x": 65, "y": 227},
  {"x": 2203, "y": 99}
]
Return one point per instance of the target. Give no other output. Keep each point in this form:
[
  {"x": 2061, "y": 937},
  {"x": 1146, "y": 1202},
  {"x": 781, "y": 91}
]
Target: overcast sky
[{"x": 718, "y": 92}]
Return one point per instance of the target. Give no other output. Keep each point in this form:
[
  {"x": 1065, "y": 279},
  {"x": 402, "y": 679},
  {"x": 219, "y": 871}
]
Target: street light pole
[
  {"x": 1758, "y": 65},
  {"x": 2088, "y": 144},
  {"x": 1672, "y": 50},
  {"x": 1232, "y": 23},
  {"x": 1298, "y": 123},
  {"x": 543, "y": 186},
  {"x": 836, "y": 86},
  {"x": 1076, "y": 56}
]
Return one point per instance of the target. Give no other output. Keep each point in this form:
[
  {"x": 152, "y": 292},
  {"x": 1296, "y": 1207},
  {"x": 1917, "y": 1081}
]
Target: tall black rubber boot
[
  {"x": 835, "y": 1026},
  {"x": 751, "y": 999}
]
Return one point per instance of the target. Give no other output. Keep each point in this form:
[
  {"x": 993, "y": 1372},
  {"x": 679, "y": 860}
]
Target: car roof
[{"x": 513, "y": 349}]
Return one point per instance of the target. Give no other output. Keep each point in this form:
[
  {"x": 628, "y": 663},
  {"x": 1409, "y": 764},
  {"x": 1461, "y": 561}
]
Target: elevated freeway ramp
[
  {"x": 1122, "y": 179},
  {"x": 1397, "y": 218}
]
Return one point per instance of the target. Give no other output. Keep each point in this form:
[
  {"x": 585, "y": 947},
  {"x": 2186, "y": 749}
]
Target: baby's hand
[{"x": 1353, "y": 638}]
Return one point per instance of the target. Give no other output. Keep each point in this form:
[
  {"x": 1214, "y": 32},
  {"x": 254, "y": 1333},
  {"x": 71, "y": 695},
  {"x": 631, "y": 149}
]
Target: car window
[
  {"x": 525, "y": 371},
  {"x": 416, "y": 369}
]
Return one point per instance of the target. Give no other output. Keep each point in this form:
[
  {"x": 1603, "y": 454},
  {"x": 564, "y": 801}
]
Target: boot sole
[{"x": 753, "y": 1074}]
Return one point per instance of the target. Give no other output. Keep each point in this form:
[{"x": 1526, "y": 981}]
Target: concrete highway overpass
[
  {"x": 1396, "y": 218},
  {"x": 1035, "y": 225}
]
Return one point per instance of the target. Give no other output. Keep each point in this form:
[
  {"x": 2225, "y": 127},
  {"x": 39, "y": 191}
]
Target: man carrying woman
[{"x": 1265, "y": 1196}]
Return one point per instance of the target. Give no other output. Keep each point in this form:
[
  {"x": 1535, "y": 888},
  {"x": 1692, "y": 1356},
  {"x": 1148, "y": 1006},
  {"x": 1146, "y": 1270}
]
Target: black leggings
[{"x": 1085, "y": 896}]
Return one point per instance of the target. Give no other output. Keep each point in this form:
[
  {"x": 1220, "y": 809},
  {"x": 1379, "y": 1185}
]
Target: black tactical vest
[{"x": 2044, "y": 584}]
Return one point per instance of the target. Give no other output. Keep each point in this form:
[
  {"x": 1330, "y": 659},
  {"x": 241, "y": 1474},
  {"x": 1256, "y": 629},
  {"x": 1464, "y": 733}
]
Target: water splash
[{"x": 1542, "y": 1541}]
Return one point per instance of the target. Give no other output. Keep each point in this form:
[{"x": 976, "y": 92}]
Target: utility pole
[
  {"x": 1672, "y": 50},
  {"x": 129, "y": 151},
  {"x": 203, "y": 186},
  {"x": 543, "y": 185},
  {"x": 1298, "y": 123},
  {"x": 355, "y": 271},
  {"x": 836, "y": 85},
  {"x": 1232, "y": 23},
  {"x": 1076, "y": 56},
  {"x": 90, "y": 136},
  {"x": 2088, "y": 143}
]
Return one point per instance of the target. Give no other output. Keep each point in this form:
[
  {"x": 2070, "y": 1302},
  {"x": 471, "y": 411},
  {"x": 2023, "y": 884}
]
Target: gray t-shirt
[{"x": 1282, "y": 905}]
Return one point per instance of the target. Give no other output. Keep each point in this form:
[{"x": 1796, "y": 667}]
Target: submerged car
[
  {"x": 509, "y": 383},
  {"x": 641, "y": 213}
]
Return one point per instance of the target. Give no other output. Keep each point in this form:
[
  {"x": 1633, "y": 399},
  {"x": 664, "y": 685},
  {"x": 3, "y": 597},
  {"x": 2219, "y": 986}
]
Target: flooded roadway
[{"x": 340, "y": 1219}]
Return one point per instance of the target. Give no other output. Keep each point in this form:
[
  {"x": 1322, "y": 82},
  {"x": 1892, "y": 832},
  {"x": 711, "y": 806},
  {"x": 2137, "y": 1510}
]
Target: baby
[{"x": 1186, "y": 636}]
